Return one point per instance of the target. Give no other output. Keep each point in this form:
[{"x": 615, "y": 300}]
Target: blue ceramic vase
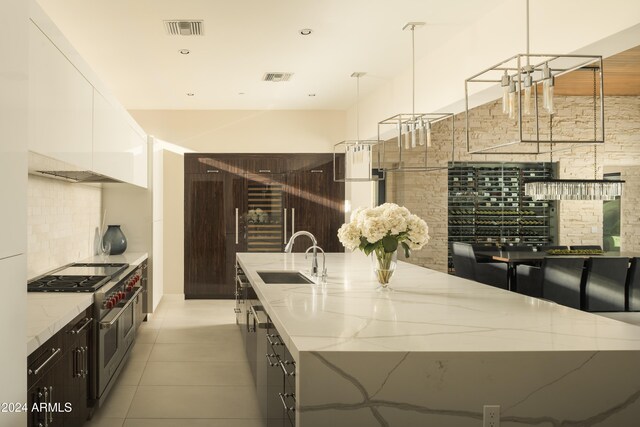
[{"x": 116, "y": 237}]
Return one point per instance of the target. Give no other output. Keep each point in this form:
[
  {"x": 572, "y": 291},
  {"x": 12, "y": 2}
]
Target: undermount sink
[{"x": 283, "y": 277}]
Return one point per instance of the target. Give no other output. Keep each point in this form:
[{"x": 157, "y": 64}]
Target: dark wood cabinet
[
  {"x": 253, "y": 203},
  {"x": 58, "y": 376},
  {"x": 316, "y": 202}
]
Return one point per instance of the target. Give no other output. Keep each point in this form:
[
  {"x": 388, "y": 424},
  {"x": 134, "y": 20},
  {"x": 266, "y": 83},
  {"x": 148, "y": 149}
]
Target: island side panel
[{"x": 450, "y": 389}]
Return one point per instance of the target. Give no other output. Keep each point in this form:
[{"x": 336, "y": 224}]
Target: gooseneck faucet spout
[{"x": 314, "y": 262}]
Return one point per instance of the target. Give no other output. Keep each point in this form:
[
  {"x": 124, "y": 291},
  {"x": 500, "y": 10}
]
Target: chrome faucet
[
  {"x": 314, "y": 260},
  {"x": 323, "y": 276}
]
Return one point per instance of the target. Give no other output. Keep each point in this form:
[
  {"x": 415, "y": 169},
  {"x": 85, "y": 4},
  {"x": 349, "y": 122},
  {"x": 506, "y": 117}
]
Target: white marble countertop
[
  {"x": 131, "y": 258},
  {"x": 49, "y": 312},
  {"x": 427, "y": 311}
]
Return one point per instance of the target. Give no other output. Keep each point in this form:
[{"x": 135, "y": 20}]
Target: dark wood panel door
[
  {"x": 316, "y": 202},
  {"x": 212, "y": 233}
]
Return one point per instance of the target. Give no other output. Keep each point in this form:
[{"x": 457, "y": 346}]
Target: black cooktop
[{"x": 76, "y": 278}]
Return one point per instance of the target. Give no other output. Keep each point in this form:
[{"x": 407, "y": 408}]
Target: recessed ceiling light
[
  {"x": 184, "y": 51},
  {"x": 312, "y": 94},
  {"x": 305, "y": 31},
  {"x": 190, "y": 93}
]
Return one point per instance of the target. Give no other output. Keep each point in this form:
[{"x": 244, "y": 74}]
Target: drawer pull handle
[
  {"x": 284, "y": 369},
  {"x": 269, "y": 336},
  {"x": 54, "y": 352},
  {"x": 317, "y": 171},
  {"x": 264, "y": 170},
  {"x": 269, "y": 356},
  {"x": 283, "y": 396},
  {"x": 81, "y": 328},
  {"x": 213, "y": 171}
]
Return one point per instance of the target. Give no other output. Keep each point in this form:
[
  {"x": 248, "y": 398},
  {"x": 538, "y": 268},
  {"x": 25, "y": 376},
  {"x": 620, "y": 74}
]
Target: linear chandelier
[
  {"x": 573, "y": 189},
  {"x": 355, "y": 160},
  {"x": 414, "y": 130},
  {"x": 518, "y": 81}
]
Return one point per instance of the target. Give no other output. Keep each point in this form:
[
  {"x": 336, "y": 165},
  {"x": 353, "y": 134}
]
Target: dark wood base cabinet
[
  {"x": 58, "y": 376},
  {"x": 253, "y": 203}
]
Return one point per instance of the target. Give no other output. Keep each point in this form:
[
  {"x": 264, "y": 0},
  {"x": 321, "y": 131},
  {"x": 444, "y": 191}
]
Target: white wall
[
  {"x": 210, "y": 131},
  {"x": 62, "y": 222}
]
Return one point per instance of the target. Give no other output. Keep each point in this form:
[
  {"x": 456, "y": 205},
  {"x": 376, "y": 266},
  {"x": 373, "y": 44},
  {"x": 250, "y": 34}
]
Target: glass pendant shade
[{"x": 356, "y": 160}]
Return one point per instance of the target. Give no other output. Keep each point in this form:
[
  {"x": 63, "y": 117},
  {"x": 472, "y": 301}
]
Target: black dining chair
[
  {"x": 529, "y": 279},
  {"x": 489, "y": 273},
  {"x": 562, "y": 281},
  {"x": 633, "y": 285},
  {"x": 604, "y": 288},
  {"x": 577, "y": 247},
  {"x": 463, "y": 260}
]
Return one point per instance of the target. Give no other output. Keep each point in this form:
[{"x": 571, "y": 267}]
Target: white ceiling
[{"x": 125, "y": 43}]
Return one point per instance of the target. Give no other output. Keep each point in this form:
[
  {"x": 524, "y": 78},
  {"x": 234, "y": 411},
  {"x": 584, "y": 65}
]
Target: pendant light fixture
[
  {"x": 573, "y": 189},
  {"x": 412, "y": 133},
  {"x": 521, "y": 78},
  {"x": 355, "y": 160}
]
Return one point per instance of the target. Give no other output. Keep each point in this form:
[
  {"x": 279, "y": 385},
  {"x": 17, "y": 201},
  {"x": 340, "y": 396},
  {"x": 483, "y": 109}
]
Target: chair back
[
  {"x": 633, "y": 285},
  {"x": 562, "y": 281},
  {"x": 604, "y": 288},
  {"x": 463, "y": 260}
]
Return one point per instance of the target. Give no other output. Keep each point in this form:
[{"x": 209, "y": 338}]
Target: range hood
[{"x": 52, "y": 168}]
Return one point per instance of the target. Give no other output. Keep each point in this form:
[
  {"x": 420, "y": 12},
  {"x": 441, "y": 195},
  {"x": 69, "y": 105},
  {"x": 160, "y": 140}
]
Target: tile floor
[{"x": 188, "y": 369}]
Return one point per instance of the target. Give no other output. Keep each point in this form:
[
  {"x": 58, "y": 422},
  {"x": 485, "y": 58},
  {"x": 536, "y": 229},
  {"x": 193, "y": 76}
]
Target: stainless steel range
[{"x": 116, "y": 288}]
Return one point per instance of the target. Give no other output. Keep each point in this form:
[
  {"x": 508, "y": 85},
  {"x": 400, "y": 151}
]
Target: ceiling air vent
[
  {"x": 277, "y": 77},
  {"x": 184, "y": 28}
]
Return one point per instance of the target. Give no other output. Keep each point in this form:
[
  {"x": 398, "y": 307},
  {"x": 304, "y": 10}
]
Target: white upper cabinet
[
  {"x": 13, "y": 133},
  {"x": 61, "y": 104},
  {"x": 119, "y": 151}
]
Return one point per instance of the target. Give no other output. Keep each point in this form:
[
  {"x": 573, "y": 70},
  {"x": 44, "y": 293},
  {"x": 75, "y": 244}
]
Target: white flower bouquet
[{"x": 383, "y": 229}]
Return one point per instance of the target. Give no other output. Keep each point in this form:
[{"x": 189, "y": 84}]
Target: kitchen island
[{"x": 438, "y": 348}]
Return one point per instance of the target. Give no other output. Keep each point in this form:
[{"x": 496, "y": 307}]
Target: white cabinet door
[
  {"x": 119, "y": 151},
  {"x": 13, "y": 129},
  {"x": 61, "y": 103},
  {"x": 139, "y": 148},
  {"x": 13, "y": 358}
]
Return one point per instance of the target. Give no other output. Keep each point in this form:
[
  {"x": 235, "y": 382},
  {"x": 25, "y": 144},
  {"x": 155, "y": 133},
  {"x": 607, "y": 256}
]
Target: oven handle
[{"x": 107, "y": 325}]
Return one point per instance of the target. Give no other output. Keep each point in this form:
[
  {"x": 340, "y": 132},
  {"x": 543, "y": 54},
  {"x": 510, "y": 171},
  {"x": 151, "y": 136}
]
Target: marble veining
[
  {"x": 438, "y": 348},
  {"x": 426, "y": 311},
  {"x": 49, "y": 312}
]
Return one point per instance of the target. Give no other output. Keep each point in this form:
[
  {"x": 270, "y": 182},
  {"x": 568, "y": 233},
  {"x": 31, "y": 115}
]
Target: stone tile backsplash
[{"x": 62, "y": 223}]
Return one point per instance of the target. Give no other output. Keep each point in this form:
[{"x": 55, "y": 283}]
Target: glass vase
[{"x": 384, "y": 265}]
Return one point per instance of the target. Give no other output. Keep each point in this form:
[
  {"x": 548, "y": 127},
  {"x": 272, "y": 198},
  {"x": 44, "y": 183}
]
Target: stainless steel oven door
[{"x": 116, "y": 333}]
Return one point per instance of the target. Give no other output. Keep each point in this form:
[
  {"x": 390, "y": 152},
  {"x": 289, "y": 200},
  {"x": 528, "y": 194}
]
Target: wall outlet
[{"x": 491, "y": 416}]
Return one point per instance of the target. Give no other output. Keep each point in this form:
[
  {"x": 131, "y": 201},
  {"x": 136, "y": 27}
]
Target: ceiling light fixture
[
  {"x": 353, "y": 160},
  {"x": 414, "y": 130},
  {"x": 184, "y": 51},
  {"x": 305, "y": 31},
  {"x": 520, "y": 78}
]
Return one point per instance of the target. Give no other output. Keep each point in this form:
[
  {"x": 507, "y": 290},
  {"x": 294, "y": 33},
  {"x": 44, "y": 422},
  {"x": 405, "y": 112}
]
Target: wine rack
[
  {"x": 487, "y": 205},
  {"x": 264, "y": 217}
]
